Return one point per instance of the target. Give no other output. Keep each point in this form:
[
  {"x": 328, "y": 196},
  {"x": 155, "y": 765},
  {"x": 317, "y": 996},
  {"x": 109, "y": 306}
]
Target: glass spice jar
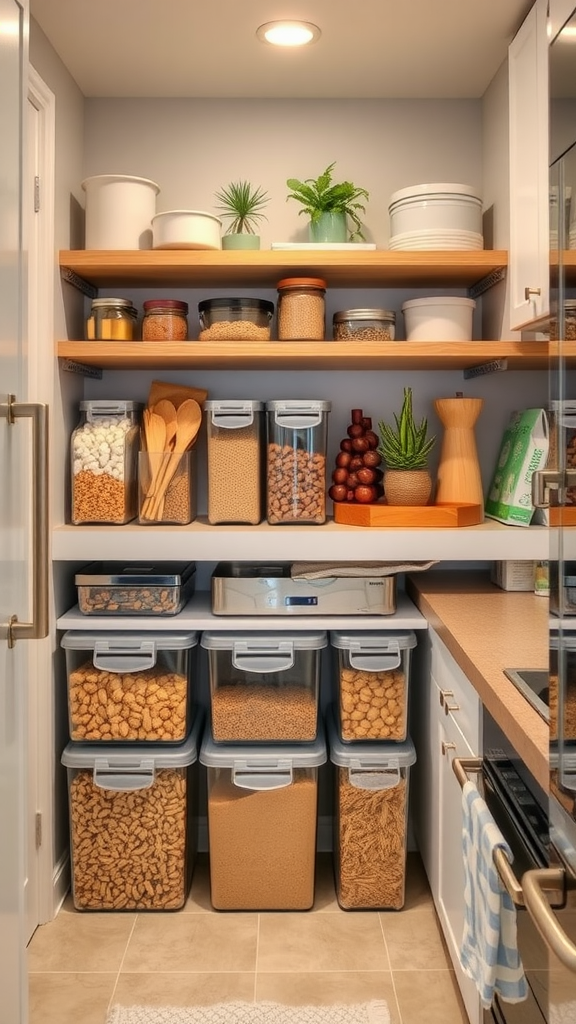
[
  {"x": 111, "y": 319},
  {"x": 301, "y": 309},
  {"x": 165, "y": 320},
  {"x": 364, "y": 325}
]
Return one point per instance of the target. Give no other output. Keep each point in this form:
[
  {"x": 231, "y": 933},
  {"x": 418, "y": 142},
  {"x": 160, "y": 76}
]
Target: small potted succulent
[
  {"x": 330, "y": 206},
  {"x": 405, "y": 449},
  {"x": 243, "y": 204}
]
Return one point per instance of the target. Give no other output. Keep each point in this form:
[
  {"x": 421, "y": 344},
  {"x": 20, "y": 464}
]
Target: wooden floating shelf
[
  {"x": 405, "y": 516},
  {"x": 319, "y": 355}
]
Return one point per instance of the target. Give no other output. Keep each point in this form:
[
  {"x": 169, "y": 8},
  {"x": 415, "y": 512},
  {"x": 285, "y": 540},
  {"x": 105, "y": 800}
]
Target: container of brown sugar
[
  {"x": 235, "y": 450},
  {"x": 262, "y": 822}
]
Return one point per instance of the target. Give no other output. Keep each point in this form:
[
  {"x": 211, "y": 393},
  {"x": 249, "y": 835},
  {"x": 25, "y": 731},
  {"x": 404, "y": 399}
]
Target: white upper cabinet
[{"x": 528, "y": 120}]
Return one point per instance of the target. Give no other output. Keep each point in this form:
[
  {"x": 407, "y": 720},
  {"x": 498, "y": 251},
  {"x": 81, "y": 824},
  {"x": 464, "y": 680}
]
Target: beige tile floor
[{"x": 80, "y": 964}]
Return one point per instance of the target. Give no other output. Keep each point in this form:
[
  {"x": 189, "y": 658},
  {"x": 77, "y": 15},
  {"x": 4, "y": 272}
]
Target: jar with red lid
[
  {"x": 165, "y": 320},
  {"x": 301, "y": 308}
]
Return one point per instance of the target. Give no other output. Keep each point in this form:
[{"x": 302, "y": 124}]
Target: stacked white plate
[{"x": 435, "y": 239}]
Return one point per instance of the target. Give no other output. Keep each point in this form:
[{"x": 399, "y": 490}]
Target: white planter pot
[
  {"x": 119, "y": 211},
  {"x": 186, "y": 229}
]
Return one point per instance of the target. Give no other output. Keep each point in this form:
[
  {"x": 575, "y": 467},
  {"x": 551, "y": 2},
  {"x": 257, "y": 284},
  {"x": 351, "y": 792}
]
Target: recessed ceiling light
[{"x": 288, "y": 33}]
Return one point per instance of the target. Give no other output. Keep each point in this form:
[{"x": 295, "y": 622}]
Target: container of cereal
[
  {"x": 262, "y": 820},
  {"x": 104, "y": 457},
  {"x": 140, "y": 803},
  {"x": 235, "y": 449},
  {"x": 130, "y": 687},
  {"x": 235, "y": 319},
  {"x": 297, "y": 435},
  {"x": 301, "y": 309},
  {"x": 364, "y": 325},
  {"x": 264, "y": 686},
  {"x": 111, "y": 320},
  {"x": 370, "y": 821},
  {"x": 136, "y": 588},
  {"x": 372, "y": 673},
  {"x": 165, "y": 320}
]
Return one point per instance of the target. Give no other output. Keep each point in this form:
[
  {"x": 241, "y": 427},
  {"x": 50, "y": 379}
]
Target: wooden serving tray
[
  {"x": 562, "y": 516},
  {"x": 423, "y": 516}
]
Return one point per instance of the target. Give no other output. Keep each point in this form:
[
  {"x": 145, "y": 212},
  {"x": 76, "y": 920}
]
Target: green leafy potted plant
[
  {"x": 243, "y": 204},
  {"x": 405, "y": 449},
  {"x": 330, "y": 206}
]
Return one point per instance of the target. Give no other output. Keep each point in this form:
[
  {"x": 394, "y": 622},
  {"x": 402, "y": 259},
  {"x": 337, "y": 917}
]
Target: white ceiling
[{"x": 208, "y": 48}]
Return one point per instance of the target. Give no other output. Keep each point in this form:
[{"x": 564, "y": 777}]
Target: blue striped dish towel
[{"x": 489, "y": 953}]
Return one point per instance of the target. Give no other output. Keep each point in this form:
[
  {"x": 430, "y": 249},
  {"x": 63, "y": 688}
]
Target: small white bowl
[
  {"x": 439, "y": 318},
  {"x": 186, "y": 229}
]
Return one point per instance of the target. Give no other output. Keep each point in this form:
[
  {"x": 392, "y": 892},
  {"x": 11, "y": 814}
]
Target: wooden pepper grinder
[{"x": 459, "y": 480}]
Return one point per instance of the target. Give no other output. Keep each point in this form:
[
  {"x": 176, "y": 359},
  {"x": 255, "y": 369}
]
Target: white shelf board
[
  {"x": 331, "y": 542},
  {"x": 197, "y": 615}
]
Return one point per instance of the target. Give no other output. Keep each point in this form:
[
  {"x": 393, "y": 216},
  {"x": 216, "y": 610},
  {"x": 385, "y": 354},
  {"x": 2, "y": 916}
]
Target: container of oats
[
  {"x": 104, "y": 462},
  {"x": 130, "y": 687},
  {"x": 370, "y": 820},
  {"x": 140, "y": 803},
  {"x": 135, "y": 588},
  {"x": 262, "y": 821},
  {"x": 235, "y": 319},
  {"x": 264, "y": 686},
  {"x": 372, "y": 673},
  {"x": 235, "y": 449}
]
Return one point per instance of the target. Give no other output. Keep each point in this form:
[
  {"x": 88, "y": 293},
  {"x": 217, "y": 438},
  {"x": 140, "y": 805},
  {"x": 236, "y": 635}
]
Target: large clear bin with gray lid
[
  {"x": 104, "y": 462},
  {"x": 264, "y": 686},
  {"x": 560, "y": 693},
  {"x": 130, "y": 687},
  {"x": 372, "y": 676},
  {"x": 133, "y": 814},
  {"x": 235, "y": 450},
  {"x": 296, "y": 461},
  {"x": 370, "y": 820},
  {"x": 262, "y": 820}
]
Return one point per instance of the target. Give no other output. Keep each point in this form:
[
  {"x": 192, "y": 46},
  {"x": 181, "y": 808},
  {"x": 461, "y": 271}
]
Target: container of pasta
[
  {"x": 262, "y": 820},
  {"x": 370, "y": 820},
  {"x": 264, "y": 686},
  {"x": 372, "y": 677},
  {"x": 130, "y": 687},
  {"x": 132, "y": 818}
]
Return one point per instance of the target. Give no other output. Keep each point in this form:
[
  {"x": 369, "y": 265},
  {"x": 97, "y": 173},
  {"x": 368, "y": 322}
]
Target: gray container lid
[
  {"x": 130, "y": 757},
  {"x": 362, "y": 642},
  {"x": 265, "y": 642},
  {"x": 111, "y": 407},
  {"x": 367, "y": 754},
  {"x": 76, "y": 640},
  {"x": 233, "y": 405},
  {"x": 568, "y": 642},
  {"x": 262, "y": 759},
  {"x": 135, "y": 574},
  {"x": 296, "y": 405}
]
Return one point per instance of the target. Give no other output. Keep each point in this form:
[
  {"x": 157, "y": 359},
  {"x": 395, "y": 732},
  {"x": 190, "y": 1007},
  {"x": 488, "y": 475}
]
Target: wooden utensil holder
[{"x": 459, "y": 480}]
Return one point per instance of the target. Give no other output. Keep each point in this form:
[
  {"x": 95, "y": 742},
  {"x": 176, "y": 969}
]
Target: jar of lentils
[
  {"x": 165, "y": 320},
  {"x": 301, "y": 309},
  {"x": 111, "y": 319},
  {"x": 364, "y": 325}
]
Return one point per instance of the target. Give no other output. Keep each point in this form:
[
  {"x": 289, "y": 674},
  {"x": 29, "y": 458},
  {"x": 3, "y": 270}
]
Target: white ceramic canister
[
  {"x": 439, "y": 318},
  {"x": 119, "y": 211},
  {"x": 434, "y": 209}
]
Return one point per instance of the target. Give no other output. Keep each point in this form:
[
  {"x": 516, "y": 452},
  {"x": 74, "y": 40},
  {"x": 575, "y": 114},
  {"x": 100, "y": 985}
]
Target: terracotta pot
[{"x": 407, "y": 486}]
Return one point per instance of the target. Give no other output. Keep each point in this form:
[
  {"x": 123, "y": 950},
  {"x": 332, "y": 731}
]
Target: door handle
[
  {"x": 546, "y": 480},
  {"x": 38, "y": 413},
  {"x": 533, "y": 884}
]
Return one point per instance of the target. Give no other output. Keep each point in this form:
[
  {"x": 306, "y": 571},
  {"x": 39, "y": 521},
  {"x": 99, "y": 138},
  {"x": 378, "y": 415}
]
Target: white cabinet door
[{"x": 528, "y": 269}]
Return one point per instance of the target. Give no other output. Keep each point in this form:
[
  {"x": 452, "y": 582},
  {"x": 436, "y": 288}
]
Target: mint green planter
[
  {"x": 240, "y": 241},
  {"x": 330, "y": 227}
]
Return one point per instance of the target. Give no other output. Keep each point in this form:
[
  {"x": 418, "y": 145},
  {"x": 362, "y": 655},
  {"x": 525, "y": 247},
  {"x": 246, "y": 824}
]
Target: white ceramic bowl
[
  {"x": 186, "y": 229},
  {"x": 444, "y": 206},
  {"x": 439, "y": 318},
  {"x": 119, "y": 211}
]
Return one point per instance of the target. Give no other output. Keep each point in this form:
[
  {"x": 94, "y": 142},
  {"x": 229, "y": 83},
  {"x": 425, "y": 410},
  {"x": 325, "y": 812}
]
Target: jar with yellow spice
[{"x": 111, "y": 319}]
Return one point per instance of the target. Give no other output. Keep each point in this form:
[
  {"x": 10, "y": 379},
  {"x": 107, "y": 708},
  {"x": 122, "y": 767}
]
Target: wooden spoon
[
  {"x": 155, "y": 435},
  {"x": 189, "y": 419},
  {"x": 166, "y": 409}
]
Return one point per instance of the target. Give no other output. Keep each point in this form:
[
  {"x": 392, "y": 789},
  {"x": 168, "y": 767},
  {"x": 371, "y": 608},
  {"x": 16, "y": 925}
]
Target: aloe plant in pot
[
  {"x": 243, "y": 204},
  {"x": 330, "y": 206},
  {"x": 405, "y": 449}
]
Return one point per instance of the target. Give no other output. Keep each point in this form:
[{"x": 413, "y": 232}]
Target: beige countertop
[{"x": 487, "y": 630}]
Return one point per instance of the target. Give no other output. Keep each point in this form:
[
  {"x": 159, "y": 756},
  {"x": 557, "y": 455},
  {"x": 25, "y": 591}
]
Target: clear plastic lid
[{"x": 135, "y": 574}]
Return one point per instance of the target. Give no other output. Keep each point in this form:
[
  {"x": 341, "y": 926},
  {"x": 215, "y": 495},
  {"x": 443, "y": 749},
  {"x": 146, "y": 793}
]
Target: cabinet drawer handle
[
  {"x": 443, "y": 695},
  {"x": 450, "y": 707},
  {"x": 531, "y": 291},
  {"x": 446, "y": 747}
]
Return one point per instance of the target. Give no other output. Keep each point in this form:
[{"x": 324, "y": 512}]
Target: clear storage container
[
  {"x": 562, "y": 441},
  {"x": 296, "y": 461},
  {"x": 370, "y": 821},
  {"x": 372, "y": 673},
  {"x": 235, "y": 319},
  {"x": 130, "y": 686},
  {"x": 104, "y": 457},
  {"x": 167, "y": 487},
  {"x": 235, "y": 449},
  {"x": 111, "y": 320},
  {"x": 137, "y": 588},
  {"x": 302, "y": 309},
  {"x": 165, "y": 320},
  {"x": 262, "y": 820},
  {"x": 132, "y": 835},
  {"x": 561, "y": 697},
  {"x": 264, "y": 686},
  {"x": 364, "y": 325}
]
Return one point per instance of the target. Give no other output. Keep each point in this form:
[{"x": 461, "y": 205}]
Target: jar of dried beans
[
  {"x": 364, "y": 325},
  {"x": 302, "y": 309},
  {"x": 165, "y": 320},
  {"x": 296, "y": 462}
]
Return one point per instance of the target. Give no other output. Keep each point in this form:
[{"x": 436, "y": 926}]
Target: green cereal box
[{"x": 523, "y": 450}]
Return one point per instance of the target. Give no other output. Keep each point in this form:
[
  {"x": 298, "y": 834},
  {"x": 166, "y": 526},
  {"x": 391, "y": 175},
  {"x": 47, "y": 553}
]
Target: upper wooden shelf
[{"x": 215, "y": 268}]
